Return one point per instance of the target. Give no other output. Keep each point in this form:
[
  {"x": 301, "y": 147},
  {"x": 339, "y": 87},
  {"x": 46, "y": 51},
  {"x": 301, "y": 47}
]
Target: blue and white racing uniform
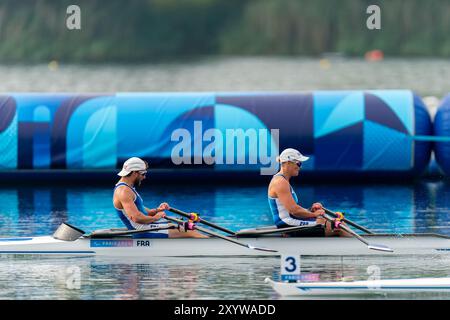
[
  {"x": 281, "y": 216},
  {"x": 131, "y": 225}
]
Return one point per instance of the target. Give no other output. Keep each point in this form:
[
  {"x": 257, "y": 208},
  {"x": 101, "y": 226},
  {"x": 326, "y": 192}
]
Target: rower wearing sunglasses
[
  {"x": 131, "y": 210},
  {"x": 284, "y": 204}
]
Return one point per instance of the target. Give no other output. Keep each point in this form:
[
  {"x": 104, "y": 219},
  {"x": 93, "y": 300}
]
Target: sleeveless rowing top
[
  {"x": 131, "y": 225},
  {"x": 281, "y": 216}
]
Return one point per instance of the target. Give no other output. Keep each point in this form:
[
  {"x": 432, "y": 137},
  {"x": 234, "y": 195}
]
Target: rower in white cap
[
  {"x": 284, "y": 204},
  {"x": 130, "y": 206}
]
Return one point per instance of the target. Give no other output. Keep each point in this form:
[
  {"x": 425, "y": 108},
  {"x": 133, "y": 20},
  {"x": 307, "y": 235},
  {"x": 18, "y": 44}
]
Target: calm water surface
[
  {"x": 26, "y": 211},
  {"x": 425, "y": 76}
]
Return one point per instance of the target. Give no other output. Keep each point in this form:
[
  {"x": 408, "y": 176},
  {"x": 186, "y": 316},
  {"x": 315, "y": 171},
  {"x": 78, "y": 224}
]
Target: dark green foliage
[{"x": 151, "y": 30}]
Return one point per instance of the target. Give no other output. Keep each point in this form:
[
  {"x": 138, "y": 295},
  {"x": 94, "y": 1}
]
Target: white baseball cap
[
  {"x": 291, "y": 155},
  {"x": 132, "y": 164}
]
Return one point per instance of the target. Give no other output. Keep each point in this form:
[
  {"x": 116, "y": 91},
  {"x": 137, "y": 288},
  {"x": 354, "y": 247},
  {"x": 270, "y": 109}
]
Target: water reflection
[
  {"x": 422, "y": 207},
  {"x": 193, "y": 278}
]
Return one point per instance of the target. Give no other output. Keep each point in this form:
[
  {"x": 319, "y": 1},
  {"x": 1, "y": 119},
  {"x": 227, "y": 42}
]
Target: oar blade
[
  {"x": 261, "y": 248},
  {"x": 379, "y": 247}
]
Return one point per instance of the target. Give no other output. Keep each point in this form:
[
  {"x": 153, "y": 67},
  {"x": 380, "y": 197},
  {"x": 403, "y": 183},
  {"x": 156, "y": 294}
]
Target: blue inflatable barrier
[
  {"x": 359, "y": 132},
  {"x": 424, "y": 128},
  {"x": 442, "y": 129}
]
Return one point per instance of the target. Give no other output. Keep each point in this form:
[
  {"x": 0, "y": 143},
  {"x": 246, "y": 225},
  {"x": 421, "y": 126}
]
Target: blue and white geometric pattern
[{"x": 342, "y": 131}]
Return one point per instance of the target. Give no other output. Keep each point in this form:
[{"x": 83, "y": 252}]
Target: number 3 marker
[{"x": 290, "y": 267}]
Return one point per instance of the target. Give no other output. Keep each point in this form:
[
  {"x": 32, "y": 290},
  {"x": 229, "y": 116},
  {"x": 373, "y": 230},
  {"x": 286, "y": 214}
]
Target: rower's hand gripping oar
[
  {"x": 195, "y": 218},
  {"x": 373, "y": 246},
  {"x": 349, "y": 222},
  {"x": 214, "y": 234}
]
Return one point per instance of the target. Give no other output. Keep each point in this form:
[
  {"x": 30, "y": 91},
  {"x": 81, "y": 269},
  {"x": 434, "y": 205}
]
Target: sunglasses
[{"x": 298, "y": 163}]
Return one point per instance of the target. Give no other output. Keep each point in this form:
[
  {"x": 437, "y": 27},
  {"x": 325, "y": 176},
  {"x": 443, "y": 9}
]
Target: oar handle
[
  {"x": 210, "y": 224},
  {"x": 346, "y": 229},
  {"x": 349, "y": 222}
]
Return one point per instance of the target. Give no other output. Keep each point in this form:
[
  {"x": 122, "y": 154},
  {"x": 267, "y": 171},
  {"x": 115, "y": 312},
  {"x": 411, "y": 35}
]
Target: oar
[
  {"x": 210, "y": 224},
  {"x": 373, "y": 246},
  {"x": 214, "y": 234},
  {"x": 349, "y": 222}
]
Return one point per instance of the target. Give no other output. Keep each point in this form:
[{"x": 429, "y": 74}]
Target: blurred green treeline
[{"x": 149, "y": 30}]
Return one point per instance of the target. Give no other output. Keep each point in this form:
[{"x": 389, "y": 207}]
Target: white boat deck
[{"x": 360, "y": 287}]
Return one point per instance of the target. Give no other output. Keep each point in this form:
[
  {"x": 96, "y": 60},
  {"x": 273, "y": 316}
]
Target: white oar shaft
[
  {"x": 349, "y": 222},
  {"x": 211, "y": 233},
  {"x": 348, "y": 230},
  {"x": 379, "y": 247},
  {"x": 210, "y": 224}
]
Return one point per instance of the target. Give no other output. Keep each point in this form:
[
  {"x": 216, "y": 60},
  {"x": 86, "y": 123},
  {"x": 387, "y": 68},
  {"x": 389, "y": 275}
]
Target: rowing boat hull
[
  {"x": 360, "y": 287},
  {"x": 407, "y": 244}
]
